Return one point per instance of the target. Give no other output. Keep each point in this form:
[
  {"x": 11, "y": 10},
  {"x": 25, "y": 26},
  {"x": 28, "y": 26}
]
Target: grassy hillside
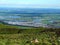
[{"x": 12, "y": 35}]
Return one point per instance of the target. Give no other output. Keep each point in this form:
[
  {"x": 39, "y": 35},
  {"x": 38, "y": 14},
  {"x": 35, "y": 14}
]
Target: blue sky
[{"x": 30, "y": 3}]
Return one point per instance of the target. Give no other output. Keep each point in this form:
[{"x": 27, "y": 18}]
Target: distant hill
[{"x": 29, "y": 10}]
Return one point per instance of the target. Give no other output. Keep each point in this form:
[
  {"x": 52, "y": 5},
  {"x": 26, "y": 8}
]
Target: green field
[{"x": 12, "y": 35}]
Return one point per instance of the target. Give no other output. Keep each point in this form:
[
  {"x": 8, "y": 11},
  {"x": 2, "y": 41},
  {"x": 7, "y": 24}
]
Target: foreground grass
[{"x": 11, "y": 35}]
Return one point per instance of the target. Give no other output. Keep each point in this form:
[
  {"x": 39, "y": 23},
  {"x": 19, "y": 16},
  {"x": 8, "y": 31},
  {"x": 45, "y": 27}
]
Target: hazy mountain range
[{"x": 29, "y": 10}]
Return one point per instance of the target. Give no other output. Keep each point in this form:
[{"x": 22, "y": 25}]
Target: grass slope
[{"x": 12, "y": 35}]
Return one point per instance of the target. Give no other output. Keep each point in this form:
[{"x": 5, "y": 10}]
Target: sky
[{"x": 30, "y": 3}]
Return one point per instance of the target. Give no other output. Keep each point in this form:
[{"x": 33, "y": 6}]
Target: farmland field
[{"x": 29, "y": 26}]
